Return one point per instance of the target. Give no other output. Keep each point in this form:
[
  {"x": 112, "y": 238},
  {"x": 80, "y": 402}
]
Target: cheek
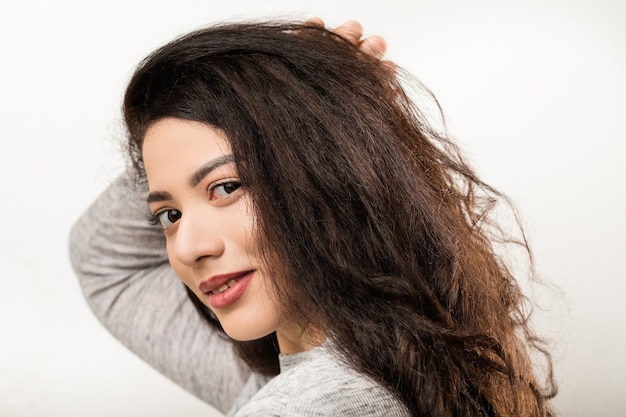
[
  {"x": 182, "y": 271},
  {"x": 249, "y": 235},
  {"x": 247, "y": 230}
]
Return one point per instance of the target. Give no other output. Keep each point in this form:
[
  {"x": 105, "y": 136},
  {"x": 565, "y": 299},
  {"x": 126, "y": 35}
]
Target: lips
[{"x": 226, "y": 289}]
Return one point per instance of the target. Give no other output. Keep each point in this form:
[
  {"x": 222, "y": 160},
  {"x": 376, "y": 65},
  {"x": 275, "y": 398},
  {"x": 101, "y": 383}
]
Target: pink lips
[{"x": 230, "y": 296}]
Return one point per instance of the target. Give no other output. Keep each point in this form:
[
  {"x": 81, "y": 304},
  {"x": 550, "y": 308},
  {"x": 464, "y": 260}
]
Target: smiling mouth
[
  {"x": 224, "y": 287},
  {"x": 219, "y": 284}
]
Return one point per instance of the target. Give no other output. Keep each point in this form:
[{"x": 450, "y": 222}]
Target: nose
[{"x": 197, "y": 238}]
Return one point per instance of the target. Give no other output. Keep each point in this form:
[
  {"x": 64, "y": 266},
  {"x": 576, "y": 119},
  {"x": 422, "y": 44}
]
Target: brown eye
[
  {"x": 224, "y": 189},
  {"x": 167, "y": 218}
]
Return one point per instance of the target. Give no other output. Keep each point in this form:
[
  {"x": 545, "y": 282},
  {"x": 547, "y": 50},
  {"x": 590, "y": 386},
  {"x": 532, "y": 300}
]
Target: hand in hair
[{"x": 374, "y": 45}]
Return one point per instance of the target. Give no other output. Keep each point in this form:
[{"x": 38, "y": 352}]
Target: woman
[{"x": 339, "y": 249}]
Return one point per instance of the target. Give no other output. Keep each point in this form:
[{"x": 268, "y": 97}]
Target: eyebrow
[
  {"x": 195, "y": 178},
  {"x": 206, "y": 169},
  {"x": 156, "y": 196}
]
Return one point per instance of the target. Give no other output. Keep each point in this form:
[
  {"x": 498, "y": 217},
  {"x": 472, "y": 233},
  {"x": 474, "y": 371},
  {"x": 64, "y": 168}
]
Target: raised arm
[{"x": 125, "y": 276}]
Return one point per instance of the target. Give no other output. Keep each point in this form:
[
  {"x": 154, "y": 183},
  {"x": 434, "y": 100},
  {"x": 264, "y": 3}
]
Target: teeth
[{"x": 225, "y": 286}]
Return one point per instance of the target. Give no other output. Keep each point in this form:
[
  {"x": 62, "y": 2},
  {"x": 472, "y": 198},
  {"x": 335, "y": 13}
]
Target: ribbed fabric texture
[{"x": 125, "y": 276}]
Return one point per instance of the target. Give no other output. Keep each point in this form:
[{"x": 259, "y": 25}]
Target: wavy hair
[{"x": 376, "y": 231}]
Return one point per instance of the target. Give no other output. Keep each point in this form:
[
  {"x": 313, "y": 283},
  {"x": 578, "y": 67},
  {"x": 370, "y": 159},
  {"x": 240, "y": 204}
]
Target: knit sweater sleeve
[{"x": 125, "y": 276}]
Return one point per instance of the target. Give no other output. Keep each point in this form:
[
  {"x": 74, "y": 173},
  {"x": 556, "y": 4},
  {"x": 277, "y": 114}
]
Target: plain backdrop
[{"x": 535, "y": 92}]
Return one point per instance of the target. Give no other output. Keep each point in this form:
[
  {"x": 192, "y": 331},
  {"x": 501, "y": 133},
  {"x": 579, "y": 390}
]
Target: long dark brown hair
[{"x": 376, "y": 232}]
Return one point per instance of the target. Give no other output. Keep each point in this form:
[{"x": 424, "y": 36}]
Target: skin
[{"x": 209, "y": 227}]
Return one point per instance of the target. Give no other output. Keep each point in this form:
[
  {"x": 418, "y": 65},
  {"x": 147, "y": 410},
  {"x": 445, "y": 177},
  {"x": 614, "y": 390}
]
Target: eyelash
[
  {"x": 212, "y": 188},
  {"x": 154, "y": 218}
]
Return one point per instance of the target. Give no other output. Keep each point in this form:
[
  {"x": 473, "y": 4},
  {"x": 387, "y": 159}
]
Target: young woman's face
[{"x": 196, "y": 195}]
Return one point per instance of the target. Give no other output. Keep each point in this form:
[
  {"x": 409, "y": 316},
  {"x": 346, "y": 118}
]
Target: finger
[
  {"x": 350, "y": 30},
  {"x": 375, "y": 46},
  {"x": 314, "y": 21}
]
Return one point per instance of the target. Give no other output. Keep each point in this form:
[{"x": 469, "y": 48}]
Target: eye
[
  {"x": 224, "y": 189},
  {"x": 167, "y": 218}
]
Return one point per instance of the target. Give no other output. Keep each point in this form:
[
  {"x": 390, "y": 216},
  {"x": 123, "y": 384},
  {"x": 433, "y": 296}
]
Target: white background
[{"x": 536, "y": 94}]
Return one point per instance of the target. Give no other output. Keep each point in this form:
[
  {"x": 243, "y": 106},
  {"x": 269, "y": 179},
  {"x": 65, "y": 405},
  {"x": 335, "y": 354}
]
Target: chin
[
  {"x": 246, "y": 331},
  {"x": 241, "y": 335}
]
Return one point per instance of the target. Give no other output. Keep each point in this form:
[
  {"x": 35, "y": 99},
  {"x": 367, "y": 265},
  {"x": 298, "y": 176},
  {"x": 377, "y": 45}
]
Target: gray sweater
[{"x": 125, "y": 276}]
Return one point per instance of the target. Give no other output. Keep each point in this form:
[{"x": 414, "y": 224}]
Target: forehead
[
  {"x": 179, "y": 132},
  {"x": 175, "y": 146}
]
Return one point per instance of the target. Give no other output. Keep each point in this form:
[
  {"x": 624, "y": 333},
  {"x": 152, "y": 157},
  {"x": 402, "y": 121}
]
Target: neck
[{"x": 292, "y": 340}]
